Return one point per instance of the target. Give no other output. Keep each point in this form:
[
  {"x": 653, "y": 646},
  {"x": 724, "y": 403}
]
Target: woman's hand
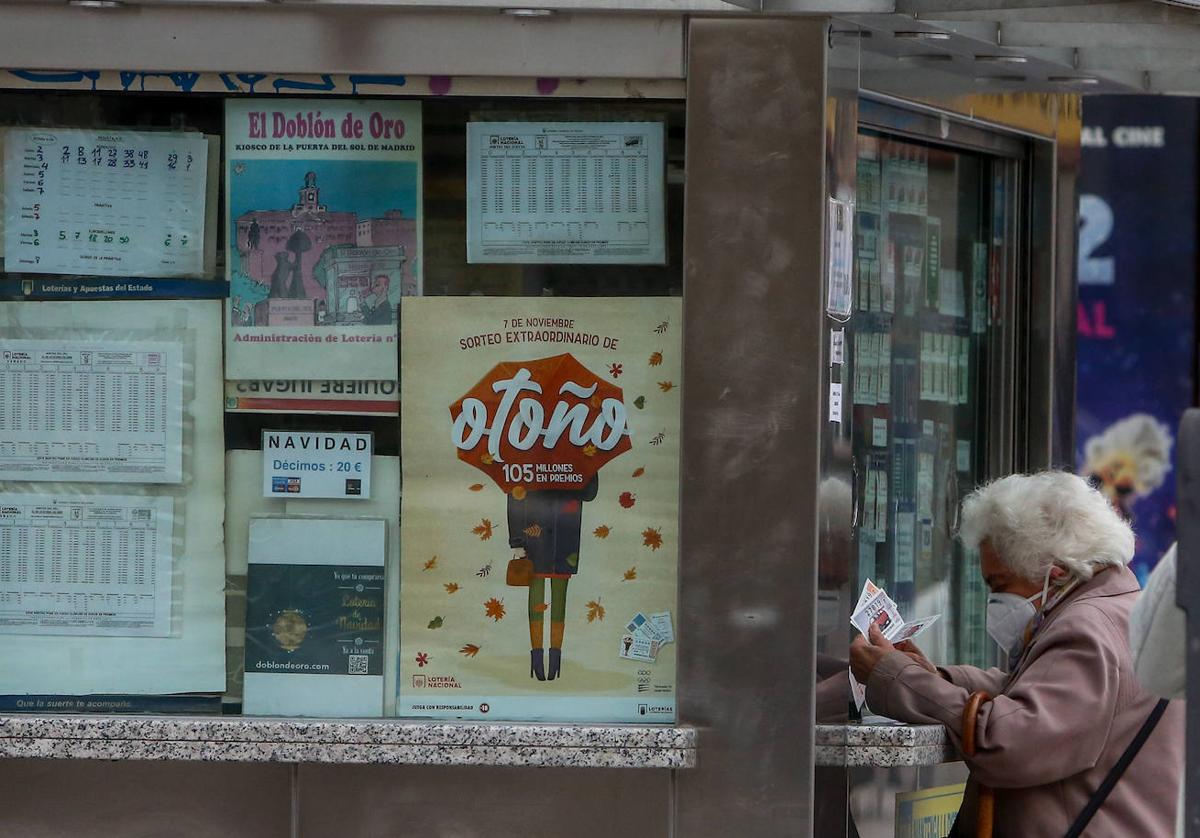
[
  {"x": 866, "y": 652},
  {"x": 909, "y": 648}
]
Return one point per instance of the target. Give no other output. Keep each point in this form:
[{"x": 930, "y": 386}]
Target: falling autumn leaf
[
  {"x": 627, "y": 500},
  {"x": 422, "y": 658},
  {"x": 484, "y": 571},
  {"x": 601, "y": 531},
  {"x": 595, "y": 611},
  {"x": 486, "y": 459},
  {"x": 476, "y": 487},
  {"x": 533, "y": 531},
  {"x": 652, "y": 538},
  {"x": 638, "y": 472},
  {"x": 630, "y": 575},
  {"x": 656, "y": 359},
  {"x": 494, "y": 608},
  {"x": 451, "y": 587},
  {"x": 435, "y": 623},
  {"x": 541, "y": 606},
  {"x": 431, "y": 564},
  {"x": 658, "y": 438},
  {"x": 589, "y": 450},
  {"x": 470, "y": 650},
  {"x": 661, "y": 328},
  {"x": 615, "y": 370},
  {"x": 519, "y": 493},
  {"x": 484, "y": 530},
  {"x": 640, "y": 402},
  {"x": 666, "y": 386}
]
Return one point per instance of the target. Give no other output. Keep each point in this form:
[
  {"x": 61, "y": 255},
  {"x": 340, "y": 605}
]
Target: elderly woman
[{"x": 1053, "y": 552}]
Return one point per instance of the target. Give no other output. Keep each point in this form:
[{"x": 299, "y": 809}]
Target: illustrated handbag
[{"x": 520, "y": 572}]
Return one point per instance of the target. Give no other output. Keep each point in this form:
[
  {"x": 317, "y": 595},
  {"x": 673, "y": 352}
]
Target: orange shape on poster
[{"x": 549, "y": 423}]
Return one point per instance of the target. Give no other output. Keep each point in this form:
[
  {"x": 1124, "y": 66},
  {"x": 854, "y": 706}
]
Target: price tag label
[{"x": 316, "y": 465}]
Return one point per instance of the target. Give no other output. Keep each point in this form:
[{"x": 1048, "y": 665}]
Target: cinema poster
[
  {"x": 323, "y": 206},
  {"x": 539, "y": 519}
]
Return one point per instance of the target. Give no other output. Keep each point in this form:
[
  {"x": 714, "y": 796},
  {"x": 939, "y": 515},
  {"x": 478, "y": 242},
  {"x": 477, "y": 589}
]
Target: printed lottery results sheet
[
  {"x": 104, "y": 203},
  {"x": 93, "y": 411},
  {"x": 85, "y": 565},
  {"x": 565, "y": 192}
]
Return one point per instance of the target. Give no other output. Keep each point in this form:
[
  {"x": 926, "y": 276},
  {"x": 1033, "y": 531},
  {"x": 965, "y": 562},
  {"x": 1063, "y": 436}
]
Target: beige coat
[
  {"x": 1056, "y": 727},
  {"x": 1157, "y": 633}
]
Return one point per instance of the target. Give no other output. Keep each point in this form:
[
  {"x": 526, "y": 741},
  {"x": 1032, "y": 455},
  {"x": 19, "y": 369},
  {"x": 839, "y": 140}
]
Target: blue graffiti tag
[
  {"x": 249, "y": 79},
  {"x": 327, "y": 83},
  {"x": 391, "y": 81},
  {"x": 184, "y": 81},
  {"x": 69, "y": 77}
]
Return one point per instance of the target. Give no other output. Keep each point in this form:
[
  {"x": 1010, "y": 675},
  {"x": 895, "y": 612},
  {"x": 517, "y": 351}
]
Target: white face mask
[
  {"x": 1009, "y": 614},
  {"x": 1007, "y": 617}
]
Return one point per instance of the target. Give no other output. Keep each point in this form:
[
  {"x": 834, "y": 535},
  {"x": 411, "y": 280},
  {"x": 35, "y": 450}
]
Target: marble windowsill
[
  {"x": 883, "y": 745},
  {"x": 228, "y": 739}
]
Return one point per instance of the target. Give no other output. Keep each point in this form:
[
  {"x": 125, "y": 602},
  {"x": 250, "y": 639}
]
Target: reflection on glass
[{"x": 928, "y": 236}]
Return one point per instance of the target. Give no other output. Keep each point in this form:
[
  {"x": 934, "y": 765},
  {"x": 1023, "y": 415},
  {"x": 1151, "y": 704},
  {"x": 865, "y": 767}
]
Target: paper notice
[
  {"x": 85, "y": 565},
  {"x": 905, "y": 546},
  {"x": 661, "y": 623},
  {"x": 879, "y": 432},
  {"x": 104, "y": 203},
  {"x": 835, "y": 402},
  {"x": 91, "y": 411},
  {"x": 567, "y": 192},
  {"x": 638, "y": 647},
  {"x": 963, "y": 452},
  {"x": 884, "y": 390},
  {"x": 840, "y": 256},
  {"x": 837, "y": 347}
]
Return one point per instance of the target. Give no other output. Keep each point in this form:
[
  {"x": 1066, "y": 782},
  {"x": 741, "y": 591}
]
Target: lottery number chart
[
  {"x": 89, "y": 565},
  {"x": 566, "y": 192},
  {"x": 92, "y": 411},
  {"x": 101, "y": 203}
]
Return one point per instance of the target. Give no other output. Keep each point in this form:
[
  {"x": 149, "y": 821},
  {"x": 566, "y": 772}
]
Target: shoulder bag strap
[{"x": 1114, "y": 774}]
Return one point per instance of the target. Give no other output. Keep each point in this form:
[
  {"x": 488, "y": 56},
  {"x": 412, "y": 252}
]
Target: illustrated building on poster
[{"x": 317, "y": 266}]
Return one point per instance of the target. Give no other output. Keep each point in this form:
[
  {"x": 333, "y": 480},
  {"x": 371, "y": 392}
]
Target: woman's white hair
[
  {"x": 1146, "y": 440},
  {"x": 1054, "y": 517}
]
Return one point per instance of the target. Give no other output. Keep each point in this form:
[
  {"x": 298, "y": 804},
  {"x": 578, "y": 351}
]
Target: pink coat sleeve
[
  {"x": 972, "y": 678},
  {"x": 1054, "y": 720}
]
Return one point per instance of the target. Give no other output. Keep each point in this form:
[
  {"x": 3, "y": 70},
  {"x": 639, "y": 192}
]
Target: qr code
[{"x": 358, "y": 664}]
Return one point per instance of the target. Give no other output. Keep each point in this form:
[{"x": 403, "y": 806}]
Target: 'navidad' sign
[{"x": 316, "y": 465}]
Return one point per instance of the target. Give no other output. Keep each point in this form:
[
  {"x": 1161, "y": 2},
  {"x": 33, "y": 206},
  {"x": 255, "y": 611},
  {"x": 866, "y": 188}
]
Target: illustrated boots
[
  {"x": 537, "y": 667},
  {"x": 555, "y": 664}
]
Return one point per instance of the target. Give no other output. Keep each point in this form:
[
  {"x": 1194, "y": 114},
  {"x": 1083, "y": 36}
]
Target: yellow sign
[{"x": 928, "y": 813}]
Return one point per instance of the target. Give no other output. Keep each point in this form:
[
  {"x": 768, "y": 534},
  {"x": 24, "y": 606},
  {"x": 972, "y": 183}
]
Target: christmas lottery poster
[
  {"x": 323, "y": 200},
  {"x": 539, "y": 517}
]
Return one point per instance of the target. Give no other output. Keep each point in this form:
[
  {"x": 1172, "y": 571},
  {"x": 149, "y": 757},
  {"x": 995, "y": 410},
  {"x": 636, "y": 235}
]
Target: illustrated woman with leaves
[{"x": 544, "y": 529}]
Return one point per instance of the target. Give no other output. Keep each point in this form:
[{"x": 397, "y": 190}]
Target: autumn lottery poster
[{"x": 539, "y": 514}]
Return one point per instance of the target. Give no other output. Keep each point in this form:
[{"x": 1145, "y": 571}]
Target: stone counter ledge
[
  {"x": 243, "y": 739},
  {"x": 857, "y": 745}
]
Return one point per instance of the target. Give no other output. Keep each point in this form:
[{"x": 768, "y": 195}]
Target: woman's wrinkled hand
[
  {"x": 866, "y": 652},
  {"x": 909, "y": 648}
]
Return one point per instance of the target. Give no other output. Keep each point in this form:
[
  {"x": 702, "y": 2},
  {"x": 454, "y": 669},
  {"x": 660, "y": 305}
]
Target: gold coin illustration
[{"x": 289, "y": 629}]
